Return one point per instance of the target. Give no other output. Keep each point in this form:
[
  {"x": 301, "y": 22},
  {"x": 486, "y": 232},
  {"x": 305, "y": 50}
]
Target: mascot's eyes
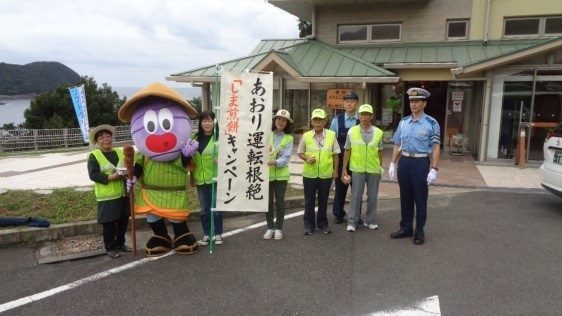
[
  {"x": 166, "y": 119},
  {"x": 150, "y": 121}
]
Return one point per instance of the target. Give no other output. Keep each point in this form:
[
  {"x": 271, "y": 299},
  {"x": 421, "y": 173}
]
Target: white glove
[
  {"x": 392, "y": 171},
  {"x": 131, "y": 183},
  {"x": 432, "y": 176}
]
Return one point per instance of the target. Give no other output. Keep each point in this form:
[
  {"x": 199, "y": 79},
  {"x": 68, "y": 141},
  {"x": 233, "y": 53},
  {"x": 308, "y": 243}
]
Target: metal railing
[{"x": 39, "y": 139}]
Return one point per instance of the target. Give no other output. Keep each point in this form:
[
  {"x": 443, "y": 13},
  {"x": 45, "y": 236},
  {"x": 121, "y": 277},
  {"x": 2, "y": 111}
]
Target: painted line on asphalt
[
  {"x": 39, "y": 296},
  {"x": 429, "y": 306}
]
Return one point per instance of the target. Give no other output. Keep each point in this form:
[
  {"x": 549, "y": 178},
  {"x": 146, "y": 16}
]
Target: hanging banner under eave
[
  {"x": 79, "y": 101},
  {"x": 245, "y": 125}
]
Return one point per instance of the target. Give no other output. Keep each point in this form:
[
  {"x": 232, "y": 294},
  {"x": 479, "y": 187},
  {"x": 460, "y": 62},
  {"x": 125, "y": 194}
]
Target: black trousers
[
  {"x": 312, "y": 187},
  {"x": 114, "y": 233},
  {"x": 341, "y": 191}
]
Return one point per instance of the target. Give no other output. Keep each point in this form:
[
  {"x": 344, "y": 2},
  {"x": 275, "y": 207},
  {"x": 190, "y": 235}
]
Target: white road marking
[
  {"x": 39, "y": 296},
  {"x": 429, "y": 306}
]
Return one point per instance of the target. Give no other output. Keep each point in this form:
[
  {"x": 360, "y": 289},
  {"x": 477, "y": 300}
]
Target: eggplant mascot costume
[{"x": 161, "y": 131}]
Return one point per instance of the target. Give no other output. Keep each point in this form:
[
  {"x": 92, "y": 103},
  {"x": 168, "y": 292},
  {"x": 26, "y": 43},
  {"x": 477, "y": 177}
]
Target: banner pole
[{"x": 215, "y": 107}]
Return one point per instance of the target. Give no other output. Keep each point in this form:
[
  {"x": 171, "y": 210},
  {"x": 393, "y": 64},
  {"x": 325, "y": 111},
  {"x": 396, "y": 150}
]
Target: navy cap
[
  {"x": 351, "y": 95},
  {"x": 418, "y": 94}
]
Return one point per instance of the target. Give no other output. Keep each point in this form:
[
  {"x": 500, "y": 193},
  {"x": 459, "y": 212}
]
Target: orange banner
[{"x": 334, "y": 98}]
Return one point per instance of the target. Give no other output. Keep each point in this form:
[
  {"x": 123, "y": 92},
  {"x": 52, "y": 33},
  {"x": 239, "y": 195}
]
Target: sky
[{"x": 134, "y": 43}]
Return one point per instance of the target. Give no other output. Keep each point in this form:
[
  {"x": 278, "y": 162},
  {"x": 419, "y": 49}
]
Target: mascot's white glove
[
  {"x": 432, "y": 176},
  {"x": 392, "y": 171},
  {"x": 130, "y": 183},
  {"x": 190, "y": 148}
]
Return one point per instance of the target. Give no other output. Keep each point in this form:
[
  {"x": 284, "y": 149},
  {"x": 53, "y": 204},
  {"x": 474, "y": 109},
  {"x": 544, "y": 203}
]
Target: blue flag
[{"x": 79, "y": 101}]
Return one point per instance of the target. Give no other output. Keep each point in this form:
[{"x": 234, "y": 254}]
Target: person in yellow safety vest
[
  {"x": 319, "y": 150},
  {"x": 106, "y": 169},
  {"x": 363, "y": 154},
  {"x": 202, "y": 177},
  {"x": 280, "y": 148}
]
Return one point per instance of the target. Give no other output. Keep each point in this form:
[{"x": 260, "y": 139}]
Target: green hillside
[{"x": 34, "y": 78}]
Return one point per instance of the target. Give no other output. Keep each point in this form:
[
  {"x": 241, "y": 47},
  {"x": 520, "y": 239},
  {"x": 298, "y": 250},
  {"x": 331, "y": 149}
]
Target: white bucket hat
[{"x": 284, "y": 114}]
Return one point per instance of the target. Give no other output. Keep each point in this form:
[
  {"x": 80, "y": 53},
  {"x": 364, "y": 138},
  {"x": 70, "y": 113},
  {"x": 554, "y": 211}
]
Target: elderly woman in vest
[
  {"x": 280, "y": 146},
  {"x": 205, "y": 165},
  {"x": 319, "y": 150},
  {"x": 106, "y": 169}
]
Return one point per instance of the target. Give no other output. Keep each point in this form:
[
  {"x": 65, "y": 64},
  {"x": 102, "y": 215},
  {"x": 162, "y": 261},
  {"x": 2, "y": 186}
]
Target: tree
[
  {"x": 196, "y": 103},
  {"x": 305, "y": 28},
  {"x": 55, "y": 110}
]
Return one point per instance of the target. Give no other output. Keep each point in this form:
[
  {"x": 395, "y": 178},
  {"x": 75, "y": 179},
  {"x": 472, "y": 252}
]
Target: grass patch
[{"x": 68, "y": 205}]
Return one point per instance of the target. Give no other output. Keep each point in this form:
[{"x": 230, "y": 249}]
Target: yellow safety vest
[
  {"x": 205, "y": 164},
  {"x": 324, "y": 165},
  {"x": 365, "y": 157},
  {"x": 113, "y": 189},
  {"x": 283, "y": 172}
]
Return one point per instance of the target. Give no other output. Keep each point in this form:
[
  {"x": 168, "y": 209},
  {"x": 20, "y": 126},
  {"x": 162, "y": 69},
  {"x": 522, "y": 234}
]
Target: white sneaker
[
  {"x": 371, "y": 226},
  {"x": 204, "y": 241},
  {"x": 268, "y": 234},
  {"x": 278, "y": 234},
  {"x": 218, "y": 239},
  {"x": 350, "y": 228}
]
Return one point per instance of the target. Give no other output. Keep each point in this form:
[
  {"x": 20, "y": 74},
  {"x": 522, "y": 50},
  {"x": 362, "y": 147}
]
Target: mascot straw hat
[{"x": 153, "y": 90}]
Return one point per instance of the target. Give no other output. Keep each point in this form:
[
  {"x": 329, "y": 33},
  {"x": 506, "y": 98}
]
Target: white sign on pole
[
  {"x": 245, "y": 124},
  {"x": 457, "y": 95},
  {"x": 457, "y": 106}
]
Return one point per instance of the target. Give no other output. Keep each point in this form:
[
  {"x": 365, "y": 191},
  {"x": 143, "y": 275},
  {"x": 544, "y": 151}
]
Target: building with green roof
[{"x": 492, "y": 67}]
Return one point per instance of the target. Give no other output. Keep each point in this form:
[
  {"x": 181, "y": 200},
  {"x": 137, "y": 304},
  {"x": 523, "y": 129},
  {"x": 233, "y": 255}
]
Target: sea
[{"x": 11, "y": 110}]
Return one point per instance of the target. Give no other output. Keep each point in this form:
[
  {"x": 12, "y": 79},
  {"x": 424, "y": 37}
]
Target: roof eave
[
  {"x": 191, "y": 79},
  {"x": 350, "y": 79},
  {"x": 507, "y": 58},
  {"x": 420, "y": 65}
]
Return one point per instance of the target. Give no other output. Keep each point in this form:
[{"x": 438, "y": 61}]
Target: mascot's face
[{"x": 160, "y": 128}]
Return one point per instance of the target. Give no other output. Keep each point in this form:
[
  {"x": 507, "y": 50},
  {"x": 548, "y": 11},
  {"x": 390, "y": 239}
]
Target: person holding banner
[
  {"x": 319, "y": 150},
  {"x": 280, "y": 147},
  {"x": 363, "y": 154},
  {"x": 105, "y": 168},
  {"x": 202, "y": 177}
]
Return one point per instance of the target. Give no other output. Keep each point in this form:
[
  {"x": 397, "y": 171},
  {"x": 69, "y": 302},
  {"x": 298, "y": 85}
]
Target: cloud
[{"x": 133, "y": 43}]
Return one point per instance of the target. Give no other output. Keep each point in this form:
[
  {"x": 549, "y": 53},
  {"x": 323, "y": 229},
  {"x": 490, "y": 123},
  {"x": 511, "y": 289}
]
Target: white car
[{"x": 551, "y": 169}]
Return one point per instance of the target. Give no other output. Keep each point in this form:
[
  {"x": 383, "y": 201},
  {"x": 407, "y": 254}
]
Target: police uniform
[
  {"x": 415, "y": 139},
  {"x": 341, "y": 125}
]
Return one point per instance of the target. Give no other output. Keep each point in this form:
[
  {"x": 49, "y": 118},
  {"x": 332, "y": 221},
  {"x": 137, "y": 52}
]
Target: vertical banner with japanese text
[
  {"x": 78, "y": 97},
  {"x": 244, "y": 128}
]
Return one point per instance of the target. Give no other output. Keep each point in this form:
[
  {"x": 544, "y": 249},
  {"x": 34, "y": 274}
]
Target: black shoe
[
  {"x": 401, "y": 234},
  {"x": 419, "y": 239},
  {"x": 113, "y": 254},
  {"x": 338, "y": 220},
  {"x": 123, "y": 248},
  {"x": 308, "y": 231},
  {"x": 325, "y": 230}
]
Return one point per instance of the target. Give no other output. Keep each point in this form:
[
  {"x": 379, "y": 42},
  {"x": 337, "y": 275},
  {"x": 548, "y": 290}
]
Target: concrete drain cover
[{"x": 71, "y": 248}]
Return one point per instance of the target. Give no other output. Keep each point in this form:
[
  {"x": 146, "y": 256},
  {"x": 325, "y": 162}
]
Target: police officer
[
  {"x": 417, "y": 145},
  {"x": 341, "y": 124}
]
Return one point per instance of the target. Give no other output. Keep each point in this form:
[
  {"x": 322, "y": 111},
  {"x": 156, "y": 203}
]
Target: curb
[{"x": 27, "y": 235}]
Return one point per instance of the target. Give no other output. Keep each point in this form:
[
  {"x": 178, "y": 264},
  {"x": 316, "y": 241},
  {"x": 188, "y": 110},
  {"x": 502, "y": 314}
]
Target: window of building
[
  {"x": 533, "y": 27},
  {"x": 457, "y": 30},
  {"x": 553, "y": 25},
  {"x": 352, "y": 33},
  {"x": 370, "y": 33},
  {"x": 385, "y": 32}
]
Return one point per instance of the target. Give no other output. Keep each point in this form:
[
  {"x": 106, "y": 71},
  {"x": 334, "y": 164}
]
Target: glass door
[{"x": 516, "y": 112}]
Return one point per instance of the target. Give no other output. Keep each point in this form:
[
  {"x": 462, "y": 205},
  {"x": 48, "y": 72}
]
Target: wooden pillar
[{"x": 206, "y": 96}]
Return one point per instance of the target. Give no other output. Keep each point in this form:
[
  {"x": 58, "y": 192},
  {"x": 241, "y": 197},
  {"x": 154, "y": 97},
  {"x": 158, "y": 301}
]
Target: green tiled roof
[
  {"x": 308, "y": 58},
  {"x": 462, "y": 53},
  {"x": 311, "y": 58}
]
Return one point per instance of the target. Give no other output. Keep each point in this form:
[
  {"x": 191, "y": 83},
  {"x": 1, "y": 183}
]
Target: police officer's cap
[
  {"x": 351, "y": 96},
  {"x": 418, "y": 94}
]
